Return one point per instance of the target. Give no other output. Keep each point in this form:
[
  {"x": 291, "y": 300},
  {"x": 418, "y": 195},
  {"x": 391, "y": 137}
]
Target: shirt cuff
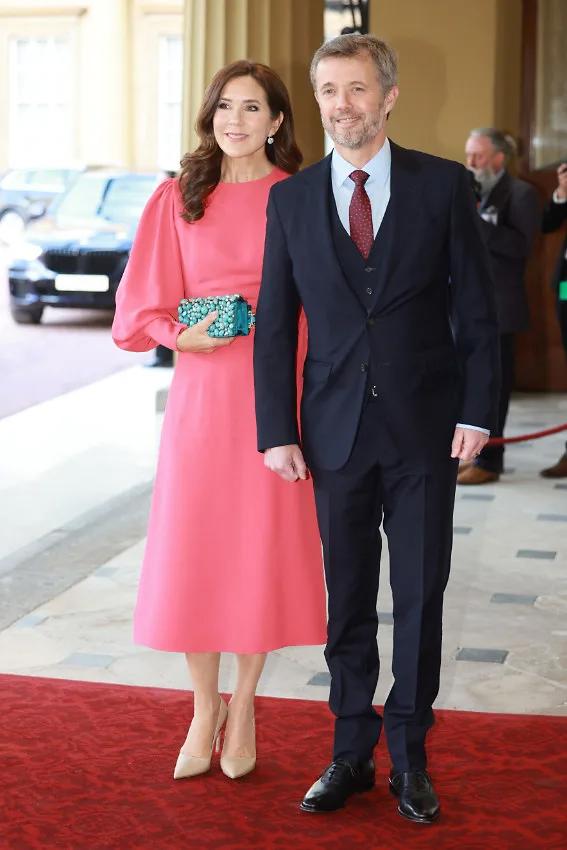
[
  {"x": 473, "y": 428},
  {"x": 557, "y": 199}
]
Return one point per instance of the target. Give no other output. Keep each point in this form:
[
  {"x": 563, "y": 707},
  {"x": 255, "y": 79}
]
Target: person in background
[
  {"x": 509, "y": 212},
  {"x": 554, "y": 216},
  {"x": 233, "y": 556},
  {"x": 163, "y": 357}
]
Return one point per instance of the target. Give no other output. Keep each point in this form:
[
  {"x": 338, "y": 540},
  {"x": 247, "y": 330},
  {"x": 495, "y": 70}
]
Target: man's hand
[
  {"x": 467, "y": 444},
  {"x": 287, "y": 462},
  {"x": 562, "y": 181}
]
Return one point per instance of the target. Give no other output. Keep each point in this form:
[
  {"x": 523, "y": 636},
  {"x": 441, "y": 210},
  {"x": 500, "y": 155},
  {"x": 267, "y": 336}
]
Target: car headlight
[{"x": 27, "y": 251}]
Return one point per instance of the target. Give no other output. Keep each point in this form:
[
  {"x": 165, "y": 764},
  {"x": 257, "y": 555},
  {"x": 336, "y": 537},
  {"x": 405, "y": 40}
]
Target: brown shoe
[
  {"x": 557, "y": 471},
  {"x": 477, "y": 475}
]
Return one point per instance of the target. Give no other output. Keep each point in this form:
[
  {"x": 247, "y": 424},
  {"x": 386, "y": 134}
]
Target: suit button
[
  {"x": 370, "y": 269},
  {"x": 371, "y": 322},
  {"x": 364, "y": 367},
  {"x": 369, "y": 290}
]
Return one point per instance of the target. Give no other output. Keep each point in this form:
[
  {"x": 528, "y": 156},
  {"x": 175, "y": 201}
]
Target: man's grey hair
[
  {"x": 503, "y": 142},
  {"x": 383, "y": 56}
]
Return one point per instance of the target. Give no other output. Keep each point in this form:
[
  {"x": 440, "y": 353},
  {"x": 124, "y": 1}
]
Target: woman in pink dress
[{"x": 233, "y": 557}]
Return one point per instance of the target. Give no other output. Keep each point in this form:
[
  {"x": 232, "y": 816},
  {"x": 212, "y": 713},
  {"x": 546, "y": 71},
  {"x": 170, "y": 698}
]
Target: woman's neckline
[{"x": 247, "y": 182}]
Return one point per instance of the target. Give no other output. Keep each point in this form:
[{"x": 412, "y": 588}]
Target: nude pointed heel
[
  {"x": 188, "y": 765},
  {"x": 236, "y": 766}
]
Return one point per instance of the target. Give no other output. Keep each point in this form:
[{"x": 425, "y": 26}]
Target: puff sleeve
[{"x": 152, "y": 283}]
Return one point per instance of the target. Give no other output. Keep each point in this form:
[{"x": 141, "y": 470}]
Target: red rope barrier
[{"x": 499, "y": 441}]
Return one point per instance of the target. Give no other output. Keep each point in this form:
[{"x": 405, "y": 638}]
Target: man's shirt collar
[{"x": 378, "y": 168}]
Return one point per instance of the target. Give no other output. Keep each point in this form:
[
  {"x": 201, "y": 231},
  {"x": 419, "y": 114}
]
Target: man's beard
[
  {"x": 358, "y": 136},
  {"x": 486, "y": 179}
]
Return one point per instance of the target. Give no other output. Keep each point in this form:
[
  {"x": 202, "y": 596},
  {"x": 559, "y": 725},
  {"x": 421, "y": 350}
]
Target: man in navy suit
[{"x": 382, "y": 248}]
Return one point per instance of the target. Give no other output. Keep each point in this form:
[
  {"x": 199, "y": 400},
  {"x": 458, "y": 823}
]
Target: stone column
[{"x": 281, "y": 33}]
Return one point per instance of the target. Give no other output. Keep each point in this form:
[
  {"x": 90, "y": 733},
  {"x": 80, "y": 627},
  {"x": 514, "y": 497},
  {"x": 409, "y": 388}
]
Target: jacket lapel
[
  {"x": 319, "y": 199},
  {"x": 404, "y": 196},
  {"x": 395, "y": 228}
]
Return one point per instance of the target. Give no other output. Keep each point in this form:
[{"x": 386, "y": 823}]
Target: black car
[
  {"x": 76, "y": 254},
  {"x": 25, "y": 194}
]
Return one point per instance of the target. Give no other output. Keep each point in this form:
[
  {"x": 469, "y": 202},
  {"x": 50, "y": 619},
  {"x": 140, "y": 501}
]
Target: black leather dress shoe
[
  {"x": 336, "y": 785},
  {"x": 414, "y": 790}
]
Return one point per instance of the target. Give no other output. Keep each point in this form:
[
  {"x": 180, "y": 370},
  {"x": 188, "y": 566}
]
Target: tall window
[
  {"x": 41, "y": 128},
  {"x": 549, "y": 135},
  {"x": 169, "y": 101}
]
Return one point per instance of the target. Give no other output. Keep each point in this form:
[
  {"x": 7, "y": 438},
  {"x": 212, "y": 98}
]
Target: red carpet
[{"x": 88, "y": 767}]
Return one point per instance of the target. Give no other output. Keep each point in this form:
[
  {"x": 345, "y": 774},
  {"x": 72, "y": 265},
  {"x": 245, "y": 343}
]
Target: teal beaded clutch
[{"x": 235, "y": 314}]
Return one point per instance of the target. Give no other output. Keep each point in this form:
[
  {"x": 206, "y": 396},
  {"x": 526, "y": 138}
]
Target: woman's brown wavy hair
[{"x": 200, "y": 169}]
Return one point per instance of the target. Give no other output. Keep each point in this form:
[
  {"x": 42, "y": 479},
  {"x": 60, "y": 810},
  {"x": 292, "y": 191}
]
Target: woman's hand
[{"x": 197, "y": 340}]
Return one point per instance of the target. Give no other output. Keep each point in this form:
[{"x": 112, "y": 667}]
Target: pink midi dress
[{"x": 233, "y": 556}]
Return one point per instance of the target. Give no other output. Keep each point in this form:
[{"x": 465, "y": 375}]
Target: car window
[
  {"x": 49, "y": 180},
  {"x": 126, "y": 197},
  {"x": 84, "y": 198},
  {"x": 16, "y": 179}
]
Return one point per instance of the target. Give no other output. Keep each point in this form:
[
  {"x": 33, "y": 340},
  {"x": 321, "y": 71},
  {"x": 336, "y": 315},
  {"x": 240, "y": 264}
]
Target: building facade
[{"x": 93, "y": 82}]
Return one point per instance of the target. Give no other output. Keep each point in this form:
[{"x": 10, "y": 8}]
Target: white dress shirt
[{"x": 377, "y": 188}]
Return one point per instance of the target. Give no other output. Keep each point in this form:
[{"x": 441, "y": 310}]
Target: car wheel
[
  {"x": 12, "y": 226},
  {"x": 27, "y": 315}
]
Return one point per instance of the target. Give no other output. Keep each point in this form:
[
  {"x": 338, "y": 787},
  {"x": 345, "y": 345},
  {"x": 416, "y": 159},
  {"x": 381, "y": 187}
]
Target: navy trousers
[{"x": 416, "y": 506}]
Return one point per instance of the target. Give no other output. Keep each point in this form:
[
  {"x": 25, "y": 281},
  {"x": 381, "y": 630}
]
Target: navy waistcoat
[{"x": 362, "y": 275}]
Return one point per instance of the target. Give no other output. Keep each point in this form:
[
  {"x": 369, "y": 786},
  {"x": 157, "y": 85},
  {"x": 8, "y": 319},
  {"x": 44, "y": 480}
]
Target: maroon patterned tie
[{"x": 360, "y": 215}]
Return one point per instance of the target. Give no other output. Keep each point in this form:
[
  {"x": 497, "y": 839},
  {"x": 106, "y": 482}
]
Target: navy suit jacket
[
  {"x": 430, "y": 335},
  {"x": 509, "y": 243}
]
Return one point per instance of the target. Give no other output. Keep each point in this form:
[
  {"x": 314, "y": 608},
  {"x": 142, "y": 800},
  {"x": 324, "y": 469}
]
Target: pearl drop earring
[{"x": 270, "y": 140}]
